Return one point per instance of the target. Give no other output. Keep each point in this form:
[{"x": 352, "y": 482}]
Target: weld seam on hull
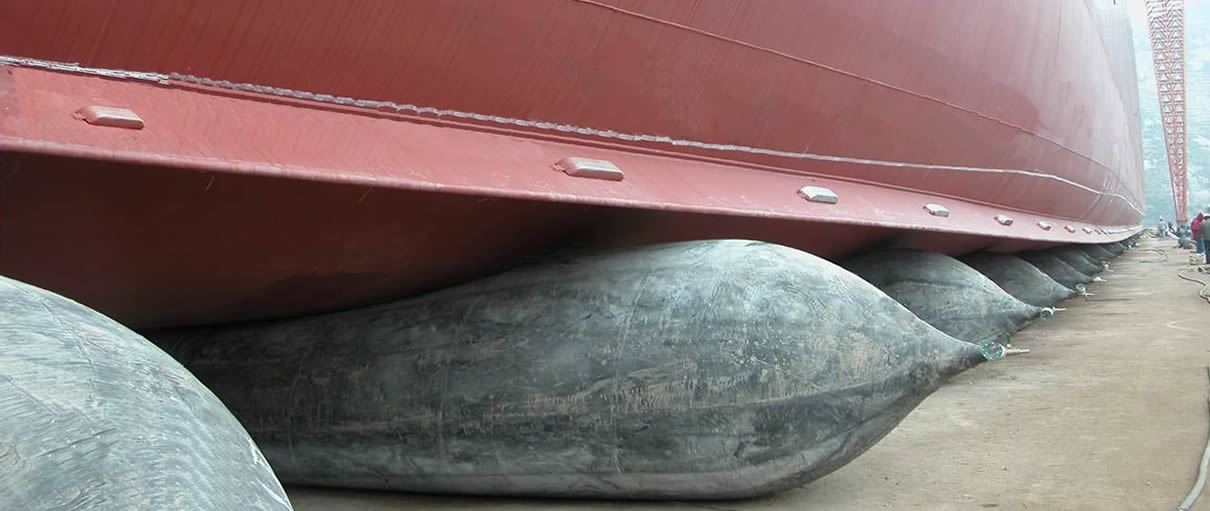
[
  {"x": 169, "y": 78},
  {"x": 842, "y": 72},
  {"x": 263, "y": 169}
]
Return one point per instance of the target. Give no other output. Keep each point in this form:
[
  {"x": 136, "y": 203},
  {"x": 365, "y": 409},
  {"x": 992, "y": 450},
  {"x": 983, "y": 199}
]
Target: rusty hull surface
[{"x": 230, "y": 205}]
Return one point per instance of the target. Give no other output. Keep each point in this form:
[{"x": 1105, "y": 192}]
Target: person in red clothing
[
  {"x": 1205, "y": 235},
  {"x": 1196, "y": 227}
]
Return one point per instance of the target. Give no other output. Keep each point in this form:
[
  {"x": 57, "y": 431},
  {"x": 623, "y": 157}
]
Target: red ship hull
[{"x": 337, "y": 187}]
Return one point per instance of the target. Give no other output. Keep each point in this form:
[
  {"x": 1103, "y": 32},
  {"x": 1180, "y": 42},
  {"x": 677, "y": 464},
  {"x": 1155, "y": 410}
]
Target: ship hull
[{"x": 338, "y": 187}]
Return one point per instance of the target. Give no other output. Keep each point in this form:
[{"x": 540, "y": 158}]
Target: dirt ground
[{"x": 1108, "y": 412}]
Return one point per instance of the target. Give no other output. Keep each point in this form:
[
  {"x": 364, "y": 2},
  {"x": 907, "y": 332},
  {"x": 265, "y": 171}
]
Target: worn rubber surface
[
  {"x": 946, "y": 293},
  {"x": 1018, "y": 278},
  {"x": 1114, "y": 248},
  {"x": 1096, "y": 253},
  {"x": 698, "y": 370},
  {"x": 93, "y": 417},
  {"x": 1056, "y": 269},
  {"x": 1076, "y": 258}
]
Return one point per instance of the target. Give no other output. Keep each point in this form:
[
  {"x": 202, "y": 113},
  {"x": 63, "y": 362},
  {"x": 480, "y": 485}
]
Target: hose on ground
[
  {"x": 1205, "y": 284},
  {"x": 1198, "y": 486}
]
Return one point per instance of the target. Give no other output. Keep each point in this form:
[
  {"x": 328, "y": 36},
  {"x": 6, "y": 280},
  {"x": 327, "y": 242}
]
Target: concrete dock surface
[{"x": 1108, "y": 412}]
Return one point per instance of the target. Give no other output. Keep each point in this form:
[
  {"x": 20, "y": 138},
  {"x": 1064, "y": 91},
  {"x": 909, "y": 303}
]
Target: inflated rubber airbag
[
  {"x": 1057, "y": 269},
  {"x": 94, "y": 417},
  {"x": 1019, "y": 278},
  {"x": 946, "y": 293},
  {"x": 698, "y": 370}
]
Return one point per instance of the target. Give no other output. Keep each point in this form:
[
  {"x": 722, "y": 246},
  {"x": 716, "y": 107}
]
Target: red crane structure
[{"x": 1166, "y": 25}]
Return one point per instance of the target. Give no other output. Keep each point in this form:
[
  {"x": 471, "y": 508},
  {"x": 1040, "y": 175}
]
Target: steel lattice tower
[{"x": 1166, "y": 25}]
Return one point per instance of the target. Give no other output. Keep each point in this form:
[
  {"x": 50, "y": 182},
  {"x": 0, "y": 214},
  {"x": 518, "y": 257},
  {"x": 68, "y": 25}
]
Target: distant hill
[{"x": 1197, "y": 100}]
